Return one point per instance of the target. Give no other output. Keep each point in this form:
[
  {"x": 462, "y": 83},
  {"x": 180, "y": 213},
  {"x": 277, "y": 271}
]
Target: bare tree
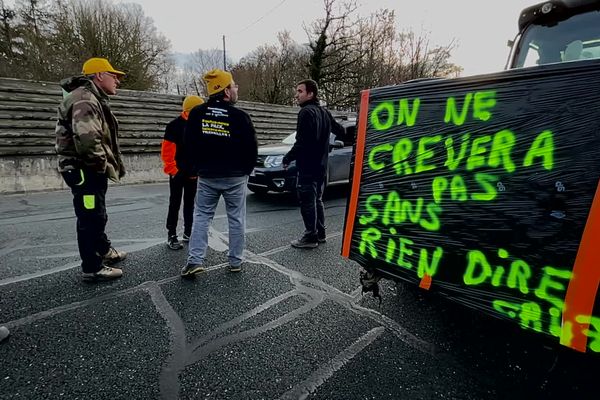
[
  {"x": 418, "y": 60},
  {"x": 269, "y": 73},
  {"x": 350, "y": 53},
  {"x": 376, "y": 36},
  {"x": 333, "y": 49},
  {"x": 185, "y": 75},
  {"x": 7, "y": 36},
  {"x": 121, "y": 33},
  {"x": 205, "y": 60},
  {"x": 50, "y": 39},
  {"x": 31, "y": 47},
  {"x": 198, "y": 64},
  {"x": 346, "y": 53},
  {"x": 182, "y": 80}
]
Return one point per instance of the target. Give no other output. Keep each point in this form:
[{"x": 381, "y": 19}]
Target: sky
[{"x": 480, "y": 27}]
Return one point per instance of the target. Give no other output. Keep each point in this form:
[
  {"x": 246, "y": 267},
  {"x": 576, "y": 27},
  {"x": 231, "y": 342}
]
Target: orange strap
[
  {"x": 358, "y": 164},
  {"x": 581, "y": 293},
  {"x": 425, "y": 282}
]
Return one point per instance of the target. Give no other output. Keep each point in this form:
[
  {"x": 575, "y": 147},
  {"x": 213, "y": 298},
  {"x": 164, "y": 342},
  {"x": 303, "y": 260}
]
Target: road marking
[
  {"x": 60, "y": 215},
  {"x": 247, "y": 315},
  {"x": 320, "y": 376},
  {"x": 314, "y": 289},
  {"x": 74, "y": 306},
  {"x": 34, "y": 275},
  {"x": 141, "y": 244},
  {"x": 349, "y": 301},
  {"x": 169, "y": 381},
  {"x": 203, "y": 351}
]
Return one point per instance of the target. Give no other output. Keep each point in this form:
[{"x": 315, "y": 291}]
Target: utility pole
[{"x": 224, "y": 55}]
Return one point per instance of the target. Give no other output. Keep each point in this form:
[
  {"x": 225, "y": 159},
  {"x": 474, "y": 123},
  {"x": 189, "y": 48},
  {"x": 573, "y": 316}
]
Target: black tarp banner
[{"x": 486, "y": 189}]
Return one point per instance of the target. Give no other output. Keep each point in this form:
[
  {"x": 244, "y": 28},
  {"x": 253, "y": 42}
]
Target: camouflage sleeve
[{"x": 87, "y": 130}]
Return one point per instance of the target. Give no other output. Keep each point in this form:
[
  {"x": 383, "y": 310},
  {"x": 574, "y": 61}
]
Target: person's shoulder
[
  {"x": 82, "y": 93},
  {"x": 309, "y": 111},
  {"x": 175, "y": 121},
  {"x": 82, "y": 98},
  {"x": 199, "y": 107},
  {"x": 233, "y": 108},
  {"x": 198, "y": 110}
]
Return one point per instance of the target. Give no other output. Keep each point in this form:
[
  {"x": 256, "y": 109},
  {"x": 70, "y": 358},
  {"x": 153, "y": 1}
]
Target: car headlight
[{"x": 273, "y": 161}]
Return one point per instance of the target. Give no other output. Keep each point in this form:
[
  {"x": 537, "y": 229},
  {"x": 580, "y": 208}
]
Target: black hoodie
[
  {"x": 311, "y": 150},
  {"x": 220, "y": 141}
]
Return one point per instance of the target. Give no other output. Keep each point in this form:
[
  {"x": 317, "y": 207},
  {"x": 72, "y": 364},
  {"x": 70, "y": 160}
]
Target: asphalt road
[{"x": 292, "y": 325}]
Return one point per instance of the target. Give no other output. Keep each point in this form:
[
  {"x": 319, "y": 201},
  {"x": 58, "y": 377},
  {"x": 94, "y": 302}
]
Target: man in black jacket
[
  {"x": 221, "y": 148},
  {"x": 311, "y": 152}
]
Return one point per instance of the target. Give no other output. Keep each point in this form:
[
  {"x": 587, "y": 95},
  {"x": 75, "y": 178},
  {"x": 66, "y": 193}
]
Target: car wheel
[{"x": 258, "y": 190}]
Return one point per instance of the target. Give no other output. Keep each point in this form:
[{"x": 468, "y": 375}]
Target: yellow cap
[
  {"x": 217, "y": 80},
  {"x": 96, "y": 65},
  {"x": 191, "y": 101}
]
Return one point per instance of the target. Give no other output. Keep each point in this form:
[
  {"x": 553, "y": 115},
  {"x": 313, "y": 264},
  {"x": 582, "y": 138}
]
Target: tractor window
[
  {"x": 532, "y": 57},
  {"x": 577, "y": 38}
]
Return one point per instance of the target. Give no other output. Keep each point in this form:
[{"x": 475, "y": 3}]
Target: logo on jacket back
[
  {"x": 213, "y": 124},
  {"x": 217, "y": 128},
  {"x": 217, "y": 112}
]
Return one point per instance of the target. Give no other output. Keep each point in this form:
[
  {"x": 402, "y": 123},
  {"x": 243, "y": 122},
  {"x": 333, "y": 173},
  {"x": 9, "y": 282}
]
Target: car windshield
[
  {"x": 576, "y": 38},
  {"x": 291, "y": 139}
]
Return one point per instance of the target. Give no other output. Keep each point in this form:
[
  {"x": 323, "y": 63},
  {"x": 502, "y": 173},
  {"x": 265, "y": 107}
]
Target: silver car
[{"x": 269, "y": 175}]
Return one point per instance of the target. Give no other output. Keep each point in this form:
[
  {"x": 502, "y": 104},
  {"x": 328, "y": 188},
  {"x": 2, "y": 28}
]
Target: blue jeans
[{"x": 233, "y": 190}]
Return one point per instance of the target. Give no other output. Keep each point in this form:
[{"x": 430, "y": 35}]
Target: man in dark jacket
[
  {"x": 311, "y": 153},
  {"x": 181, "y": 182},
  {"x": 221, "y": 147},
  {"x": 88, "y": 155}
]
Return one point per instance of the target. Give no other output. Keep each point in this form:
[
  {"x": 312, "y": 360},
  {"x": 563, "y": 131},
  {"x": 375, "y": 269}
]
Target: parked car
[{"x": 269, "y": 175}]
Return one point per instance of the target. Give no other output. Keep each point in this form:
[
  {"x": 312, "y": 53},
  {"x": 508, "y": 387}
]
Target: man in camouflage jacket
[{"x": 88, "y": 155}]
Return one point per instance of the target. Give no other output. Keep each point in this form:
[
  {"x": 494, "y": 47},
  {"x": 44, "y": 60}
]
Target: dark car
[{"x": 269, "y": 175}]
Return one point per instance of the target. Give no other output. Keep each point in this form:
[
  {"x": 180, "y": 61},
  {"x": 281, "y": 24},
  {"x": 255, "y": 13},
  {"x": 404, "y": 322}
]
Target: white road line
[
  {"x": 139, "y": 245},
  {"x": 320, "y": 376}
]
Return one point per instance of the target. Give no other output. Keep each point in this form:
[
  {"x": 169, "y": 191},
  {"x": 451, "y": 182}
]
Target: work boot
[
  {"x": 113, "y": 256},
  {"x": 305, "y": 243},
  {"x": 173, "y": 243},
  {"x": 4, "y": 333},
  {"x": 105, "y": 274},
  {"x": 190, "y": 270},
  {"x": 321, "y": 236},
  {"x": 235, "y": 268}
]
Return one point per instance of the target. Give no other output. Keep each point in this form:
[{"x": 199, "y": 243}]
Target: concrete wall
[
  {"x": 28, "y": 116},
  {"x": 19, "y": 174}
]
